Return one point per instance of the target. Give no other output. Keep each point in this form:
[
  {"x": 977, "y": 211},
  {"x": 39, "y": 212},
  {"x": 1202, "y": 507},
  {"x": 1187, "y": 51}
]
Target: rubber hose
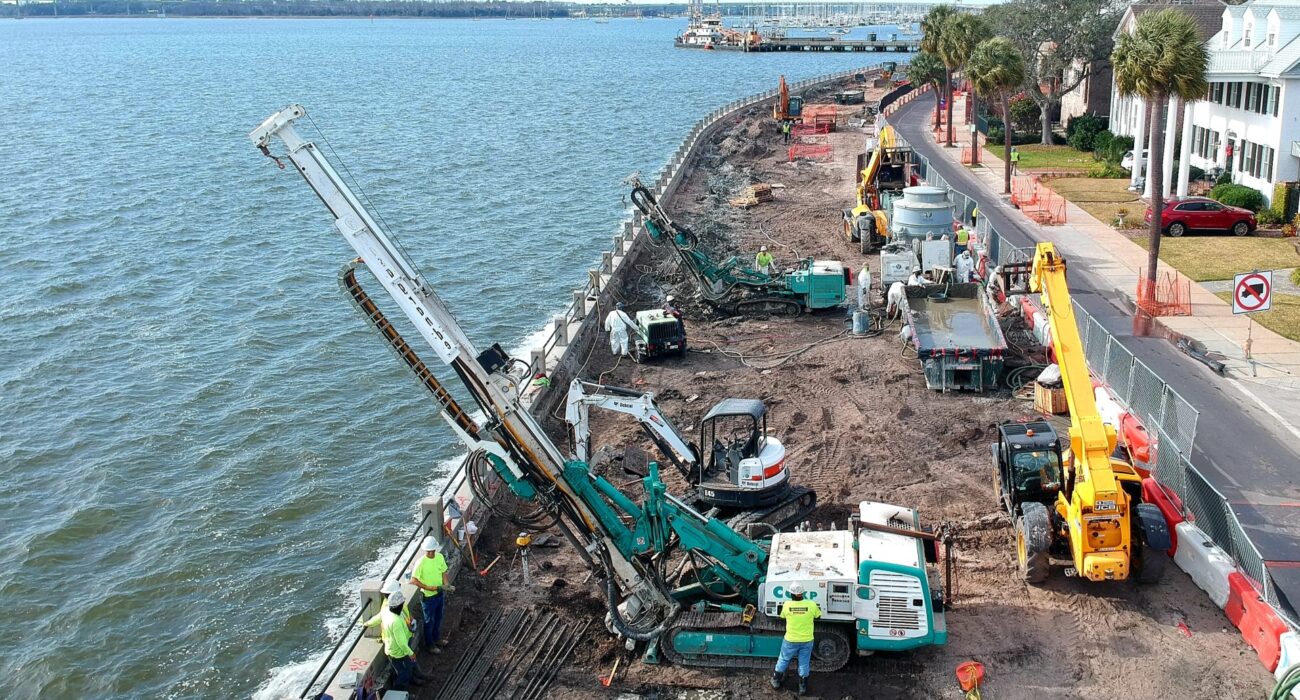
[
  {"x": 623, "y": 626},
  {"x": 1289, "y": 682}
]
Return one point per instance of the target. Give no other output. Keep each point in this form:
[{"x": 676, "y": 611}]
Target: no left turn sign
[{"x": 1252, "y": 291}]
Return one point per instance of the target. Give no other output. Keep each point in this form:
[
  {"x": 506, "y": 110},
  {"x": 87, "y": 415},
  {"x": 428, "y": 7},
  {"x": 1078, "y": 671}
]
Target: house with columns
[
  {"x": 1248, "y": 123},
  {"x": 1128, "y": 115}
]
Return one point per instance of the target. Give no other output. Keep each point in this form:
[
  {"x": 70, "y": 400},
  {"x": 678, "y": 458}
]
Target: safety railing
[{"x": 1166, "y": 415}]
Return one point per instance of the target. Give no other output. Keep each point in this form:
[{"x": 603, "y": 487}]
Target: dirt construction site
[{"x": 859, "y": 424}]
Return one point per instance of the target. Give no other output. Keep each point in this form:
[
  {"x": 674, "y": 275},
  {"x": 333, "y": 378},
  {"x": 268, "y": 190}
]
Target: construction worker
[
  {"x": 391, "y": 587},
  {"x": 897, "y": 296},
  {"x": 670, "y": 308},
  {"x": 916, "y": 279},
  {"x": 1015, "y": 161},
  {"x": 864, "y": 285},
  {"x": 396, "y": 636},
  {"x": 799, "y": 616},
  {"x": 430, "y": 576},
  {"x": 974, "y": 216},
  {"x": 617, "y": 324},
  {"x": 785, "y": 130},
  {"x": 963, "y": 266},
  {"x": 962, "y": 239},
  {"x": 764, "y": 262}
]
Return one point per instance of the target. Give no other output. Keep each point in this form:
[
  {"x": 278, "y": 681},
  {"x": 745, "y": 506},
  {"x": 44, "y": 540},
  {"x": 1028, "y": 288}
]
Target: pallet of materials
[
  {"x": 753, "y": 196},
  {"x": 820, "y": 114}
]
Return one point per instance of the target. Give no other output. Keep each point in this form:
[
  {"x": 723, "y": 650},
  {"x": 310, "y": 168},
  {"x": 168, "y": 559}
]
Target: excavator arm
[
  {"x": 1094, "y": 506},
  {"x": 633, "y": 403}
]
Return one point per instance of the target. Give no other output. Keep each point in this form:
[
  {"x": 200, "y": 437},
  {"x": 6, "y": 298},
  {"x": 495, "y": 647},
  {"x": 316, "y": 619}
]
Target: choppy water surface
[{"x": 203, "y": 447}]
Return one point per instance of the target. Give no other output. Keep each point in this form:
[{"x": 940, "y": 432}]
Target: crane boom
[
  {"x": 1096, "y": 509},
  {"x": 512, "y": 438}
]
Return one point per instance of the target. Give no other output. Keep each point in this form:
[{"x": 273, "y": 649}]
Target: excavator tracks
[
  {"x": 723, "y": 640},
  {"x": 799, "y": 504}
]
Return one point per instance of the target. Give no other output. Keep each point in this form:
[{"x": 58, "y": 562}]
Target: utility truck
[{"x": 681, "y": 581}]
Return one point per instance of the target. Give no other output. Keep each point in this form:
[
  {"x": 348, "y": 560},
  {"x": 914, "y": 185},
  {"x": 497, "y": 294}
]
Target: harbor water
[{"x": 204, "y": 447}]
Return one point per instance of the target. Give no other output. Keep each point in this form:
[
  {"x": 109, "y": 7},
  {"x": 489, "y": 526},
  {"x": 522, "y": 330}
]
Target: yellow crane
[
  {"x": 1075, "y": 500},
  {"x": 866, "y": 223}
]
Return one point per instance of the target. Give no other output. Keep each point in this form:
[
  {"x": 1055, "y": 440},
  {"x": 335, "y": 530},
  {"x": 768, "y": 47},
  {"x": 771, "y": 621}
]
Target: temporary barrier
[
  {"x": 1207, "y": 564},
  {"x": 1170, "y": 506},
  {"x": 815, "y": 152},
  {"x": 967, "y": 154},
  {"x": 1171, "y": 295},
  {"x": 1260, "y": 626},
  {"x": 810, "y": 129}
]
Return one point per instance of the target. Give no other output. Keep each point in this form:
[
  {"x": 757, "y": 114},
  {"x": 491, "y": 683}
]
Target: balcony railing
[{"x": 1239, "y": 61}]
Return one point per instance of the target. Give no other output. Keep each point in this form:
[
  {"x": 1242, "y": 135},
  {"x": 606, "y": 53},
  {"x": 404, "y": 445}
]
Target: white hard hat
[
  {"x": 796, "y": 588},
  {"x": 396, "y": 599},
  {"x": 916, "y": 269},
  {"x": 391, "y": 587},
  {"x": 669, "y": 299},
  {"x": 762, "y": 248},
  {"x": 430, "y": 544}
]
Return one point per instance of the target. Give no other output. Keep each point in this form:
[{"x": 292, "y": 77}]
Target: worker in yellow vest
[
  {"x": 396, "y": 636},
  {"x": 764, "y": 262},
  {"x": 963, "y": 240},
  {"x": 391, "y": 587},
  {"x": 799, "y": 616},
  {"x": 430, "y": 576}
]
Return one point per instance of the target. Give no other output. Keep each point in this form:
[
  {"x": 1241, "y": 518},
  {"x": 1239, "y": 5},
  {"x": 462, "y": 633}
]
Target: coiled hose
[
  {"x": 624, "y": 627},
  {"x": 1289, "y": 682},
  {"x": 1019, "y": 377}
]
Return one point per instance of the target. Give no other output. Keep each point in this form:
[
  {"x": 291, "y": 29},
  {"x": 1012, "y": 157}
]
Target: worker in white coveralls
[
  {"x": 963, "y": 266},
  {"x": 897, "y": 294},
  {"x": 864, "y": 285},
  {"x": 617, "y": 324},
  {"x": 916, "y": 279}
]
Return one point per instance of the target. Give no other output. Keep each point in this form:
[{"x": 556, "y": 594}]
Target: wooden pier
[{"x": 908, "y": 45}]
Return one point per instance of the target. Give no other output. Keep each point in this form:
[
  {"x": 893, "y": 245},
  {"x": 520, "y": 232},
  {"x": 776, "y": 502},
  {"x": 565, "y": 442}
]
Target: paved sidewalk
[{"x": 1271, "y": 376}]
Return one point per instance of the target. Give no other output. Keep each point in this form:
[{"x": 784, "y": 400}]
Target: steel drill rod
[
  {"x": 472, "y": 656},
  {"x": 539, "y": 678},
  {"x": 484, "y": 662},
  {"x": 495, "y": 671},
  {"x": 465, "y": 658},
  {"x": 542, "y": 651},
  {"x": 530, "y": 635},
  {"x": 560, "y": 661}
]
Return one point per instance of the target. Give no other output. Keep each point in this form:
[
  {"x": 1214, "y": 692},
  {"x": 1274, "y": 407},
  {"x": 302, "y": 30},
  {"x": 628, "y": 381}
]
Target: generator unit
[
  {"x": 819, "y": 284},
  {"x": 880, "y": 576}
]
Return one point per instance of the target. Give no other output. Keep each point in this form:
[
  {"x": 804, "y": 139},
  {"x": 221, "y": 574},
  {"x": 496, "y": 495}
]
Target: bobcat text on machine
[
  {"x": 1084, "y": 505},
  {"x": 734, "y": 287},
  {"x": 685, "y": 583},
  {"x": 743, "y": 473}
]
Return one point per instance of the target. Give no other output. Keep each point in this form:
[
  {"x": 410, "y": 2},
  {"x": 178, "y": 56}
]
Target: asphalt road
[{"x": 1248, "y": 455}]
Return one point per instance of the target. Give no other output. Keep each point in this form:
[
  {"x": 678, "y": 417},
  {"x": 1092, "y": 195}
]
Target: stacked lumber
[{"x": 753, "y": 196}]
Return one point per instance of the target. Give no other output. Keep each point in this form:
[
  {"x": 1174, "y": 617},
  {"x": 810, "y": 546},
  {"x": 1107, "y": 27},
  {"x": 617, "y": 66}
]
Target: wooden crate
[{"x": 1050, "y": 400}]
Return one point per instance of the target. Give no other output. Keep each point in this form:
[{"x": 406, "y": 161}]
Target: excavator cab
[{"x": 742, "y": 466}]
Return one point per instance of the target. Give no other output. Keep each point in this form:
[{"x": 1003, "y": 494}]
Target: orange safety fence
[
  {"x": 810, "y": 129},
  {"x": 805, "y": 151},
  {"x": 1037, "y": 201},
  {"x": 820, "y": 115},
  {"x": 1173, "y": 296}
]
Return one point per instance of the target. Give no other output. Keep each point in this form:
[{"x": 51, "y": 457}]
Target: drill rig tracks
[{"x": 830, "y": 651}]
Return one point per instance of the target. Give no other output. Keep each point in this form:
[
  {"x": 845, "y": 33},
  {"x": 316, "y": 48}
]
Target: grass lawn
[
  {"x": 1099, "y": 197},
  {"x": 1040, "y": 157},
  {"x": 1283, "y": 318},
  {"x": 1220, "y": 257}
]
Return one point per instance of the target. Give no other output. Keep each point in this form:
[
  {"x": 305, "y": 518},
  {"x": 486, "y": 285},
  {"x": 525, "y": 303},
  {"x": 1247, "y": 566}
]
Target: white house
[
  {"x": 1249, "y": 123},
  {"x": 1128, "y": 114}
]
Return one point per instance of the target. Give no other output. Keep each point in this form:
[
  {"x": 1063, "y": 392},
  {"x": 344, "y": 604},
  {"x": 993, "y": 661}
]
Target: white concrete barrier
[
  {"x": 1205, "y": 562},
  {"x": 1290, "y": 642}
]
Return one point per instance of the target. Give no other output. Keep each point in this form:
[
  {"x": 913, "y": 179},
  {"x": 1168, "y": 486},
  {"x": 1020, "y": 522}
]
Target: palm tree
[
  {"x": 932, "y": 26},
  {"x": 996, "y": 70},
  {"x": 1163, "y": 57},
  {"x": 960, "y": 35},
  {"x": 927, "y": 69}
]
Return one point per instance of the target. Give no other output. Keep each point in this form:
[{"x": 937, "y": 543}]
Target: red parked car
[{"x": 1183, "y": 214}]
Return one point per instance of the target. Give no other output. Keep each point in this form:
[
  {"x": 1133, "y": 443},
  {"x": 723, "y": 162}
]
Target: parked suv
[{"x": 1183, "y": 214}]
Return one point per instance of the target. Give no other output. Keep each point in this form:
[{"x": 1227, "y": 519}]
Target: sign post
[{"x": 1252, "y": 292}]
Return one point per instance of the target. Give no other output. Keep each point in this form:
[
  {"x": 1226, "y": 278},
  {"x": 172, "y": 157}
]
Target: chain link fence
[{"x": 1169, "y": 419}]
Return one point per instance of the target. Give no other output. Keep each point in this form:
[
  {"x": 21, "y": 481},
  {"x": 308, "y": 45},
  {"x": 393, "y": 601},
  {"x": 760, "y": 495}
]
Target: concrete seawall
[{"x": 571, "y": 339}]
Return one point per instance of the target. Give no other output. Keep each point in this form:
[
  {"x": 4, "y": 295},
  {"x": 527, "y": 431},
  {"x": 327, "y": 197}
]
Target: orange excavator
[{"x": 787, "y": 107}]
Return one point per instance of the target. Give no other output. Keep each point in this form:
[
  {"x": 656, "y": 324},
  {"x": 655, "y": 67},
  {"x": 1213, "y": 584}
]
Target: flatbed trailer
[{"x": 956, "y": 335}]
